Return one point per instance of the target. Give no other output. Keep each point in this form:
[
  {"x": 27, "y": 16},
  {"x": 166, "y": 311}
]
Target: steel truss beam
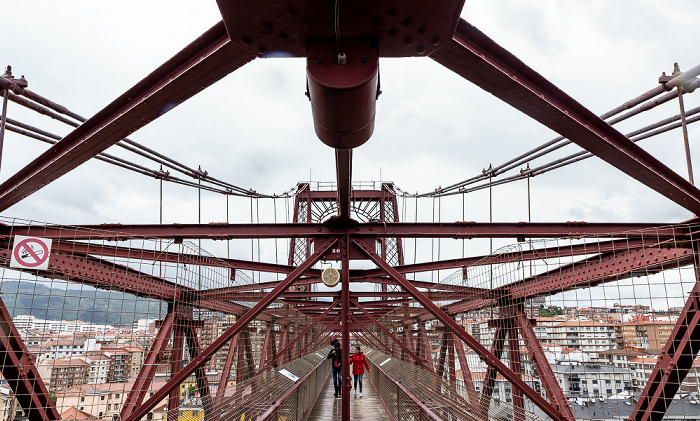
[
  {"x": 457, "y": 230},
  {"x": 519, "y": 256},
  {"x": 111, "y": 276},
  {"x": 477, "y": 58},
  {"x": 207, "y": 353},
  {"x": 148, "y": 370},
  {"x": 86, "y": 249},
  {"x": 607, "y": 267}
]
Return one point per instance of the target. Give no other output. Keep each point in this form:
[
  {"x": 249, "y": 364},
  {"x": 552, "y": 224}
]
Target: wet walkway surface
[{"x": 368, "y": 407}]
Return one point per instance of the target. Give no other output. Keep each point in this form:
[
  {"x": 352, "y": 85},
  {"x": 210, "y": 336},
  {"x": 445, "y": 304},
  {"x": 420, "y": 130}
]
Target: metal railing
[
  {"x": 410, "y": 393},
  {"x": 287, "y": 393}
]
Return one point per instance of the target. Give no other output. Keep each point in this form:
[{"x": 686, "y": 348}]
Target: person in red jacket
[{"x": 358, "y": 363}]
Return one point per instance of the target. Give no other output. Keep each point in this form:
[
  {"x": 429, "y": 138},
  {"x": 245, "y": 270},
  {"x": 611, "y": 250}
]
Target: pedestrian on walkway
[
  {"x": 358, "y": 362},
  {"x": 335, "y": 355}
]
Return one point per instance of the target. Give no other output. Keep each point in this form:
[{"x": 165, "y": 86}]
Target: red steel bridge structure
[{"x": 342, "y": 44}]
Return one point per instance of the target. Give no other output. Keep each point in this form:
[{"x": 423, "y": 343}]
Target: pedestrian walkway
[{"x": 368, "y": 407}]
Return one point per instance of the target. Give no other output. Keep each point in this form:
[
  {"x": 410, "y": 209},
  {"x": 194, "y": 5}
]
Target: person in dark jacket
[
  {"x": 335, "y": 355},
  {"x": 358, "y": 362}
]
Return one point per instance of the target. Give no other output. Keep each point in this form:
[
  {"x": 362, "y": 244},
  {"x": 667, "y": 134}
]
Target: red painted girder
[
  {"x": 607, "y": 267},
  {"x": 222, "y": 292},
  {"x": 457, "y": 230},
  {"x": 490, "y": 377},
  {"x": 21, "y": 374},
  {"x": 226, "y": 372},
  {"x": 148, "y": 369},
  {"x": 110, "y": 276},
  {"x": 242, "y": 321},
  {"x": 489, "y": 358},
  {"x": 203, "y": 62},
  {"x": 170, "y": 257},
  {"x": 254, "y": 296},
  {"x": 343, "y": 169},
  {"x": 433, "y": 286},
  {"x": 399, "y": 29},
  {"x": 477, "y": 58},
  {"x": 524, "y": 255},
  {"x": 542, "y": 366},
  {"x": 674, "y": 361}
]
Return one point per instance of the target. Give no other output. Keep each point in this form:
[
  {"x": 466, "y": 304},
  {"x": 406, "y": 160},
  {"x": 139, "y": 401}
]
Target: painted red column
[{"x": 345, "y": 321}]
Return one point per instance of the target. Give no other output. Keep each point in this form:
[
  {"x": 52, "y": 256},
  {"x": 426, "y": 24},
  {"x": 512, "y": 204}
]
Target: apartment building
[
  {"x": 63, "y": 373},
  {"x": 588, "y": 336}
]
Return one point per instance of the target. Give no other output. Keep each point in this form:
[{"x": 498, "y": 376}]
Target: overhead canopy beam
[
  {"x": 206, "y": 60},
  {"x": 457, "y": 230},
  {"x": 477, "y": 58}
]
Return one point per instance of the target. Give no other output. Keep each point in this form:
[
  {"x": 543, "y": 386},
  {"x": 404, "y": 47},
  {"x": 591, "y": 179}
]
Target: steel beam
[
  {"x": 456, "y": 230},
  {"x": 170, "y": 257},
  {"x": 111, "y": 276},
  {"x": 607, "y": 267},
  {"x": 466, "y": 372},
  {"x": 150, "y": 365},
  {"x": 519, "y": 256},
  {"x": 226, "y": 372},
  {"x": 489, "y": 358},
  {"x": 514, "y": 358},
  {"x": 544, "y": 369},
  {"x": 206, "y": 60},
  {"x": 207, "y": 353},
  {"x": 477, "y": 58},
  {"x": 21, "y": 374},
  {"x": 343, "y": 168},
  {"x": 490, "y": 378},
  {"x": 346, "y": 385}
]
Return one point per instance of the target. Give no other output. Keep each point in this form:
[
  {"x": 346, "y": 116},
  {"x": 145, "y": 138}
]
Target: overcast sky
[{"x": 254, "y": 128}]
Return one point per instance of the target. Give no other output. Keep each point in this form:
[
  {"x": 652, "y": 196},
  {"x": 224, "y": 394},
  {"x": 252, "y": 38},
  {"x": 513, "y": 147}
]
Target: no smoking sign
[{"x": 30, "y": 253}]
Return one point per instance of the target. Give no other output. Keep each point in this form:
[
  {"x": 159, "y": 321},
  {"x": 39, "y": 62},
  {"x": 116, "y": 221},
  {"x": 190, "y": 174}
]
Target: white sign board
[
  {"x": 289, "y": 375},
  {"x": 30, "y": 253},
  {"x": 385, "y": 361}
]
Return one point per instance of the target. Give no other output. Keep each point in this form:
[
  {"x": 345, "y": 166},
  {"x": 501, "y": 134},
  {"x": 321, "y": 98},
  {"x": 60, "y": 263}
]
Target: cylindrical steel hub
[{"x": 343, "y": 96}]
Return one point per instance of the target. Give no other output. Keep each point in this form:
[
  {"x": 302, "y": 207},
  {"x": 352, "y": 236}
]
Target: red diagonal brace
[
  {"x": 544, "y": 370},
  {"x": 466, "y": 372},
  {"x": 200, "y": 375},
  {"x": 490, "y": 378},
  {"x": 21, "y": 373},
  {"x": 535, "y": 397},
  {"x": 391, "y": 335},
  {"x": 226, "y": 373},
  {"x": 514, "y": 357},
  {"x": 148, "y": 370},
  {"x": 201, "y": 359}
]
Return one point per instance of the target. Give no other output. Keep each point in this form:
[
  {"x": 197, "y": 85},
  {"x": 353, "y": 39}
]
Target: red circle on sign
[{"x": 25, "y": 244}]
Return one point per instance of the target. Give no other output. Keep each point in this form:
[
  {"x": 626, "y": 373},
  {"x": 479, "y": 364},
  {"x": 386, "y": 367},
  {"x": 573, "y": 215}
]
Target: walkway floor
[{"x": 368, "y": 407}]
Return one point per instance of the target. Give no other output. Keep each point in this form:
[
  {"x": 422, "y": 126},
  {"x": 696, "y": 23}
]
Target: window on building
[
  {"x": 116, "y": 396},
  {"x": 109, "y": 406},
  {"x": 116, "y": 406},
  {"x": 102, "y": 397}
]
